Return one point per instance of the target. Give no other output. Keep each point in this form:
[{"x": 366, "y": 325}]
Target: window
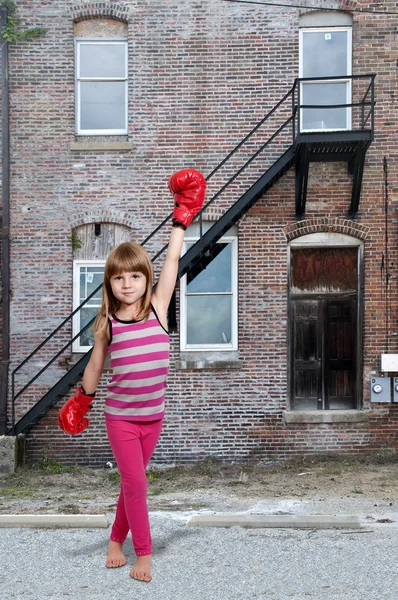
[
  {"x": 325, "y": 52},
  {"x": 91, "y": 246},
  {"x": 87, "y": 276},
  {"x": 209, "y": 304},
  {"x": 101, "y": 86}
]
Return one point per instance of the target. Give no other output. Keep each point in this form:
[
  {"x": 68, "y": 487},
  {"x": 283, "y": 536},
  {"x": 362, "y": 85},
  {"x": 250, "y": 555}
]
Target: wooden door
[
  {"x": 306, "y": 351},
  {"x": 324, "y": 353},
  {"x": 340, "y": 353},
  {"x": 323, "y": 328}
]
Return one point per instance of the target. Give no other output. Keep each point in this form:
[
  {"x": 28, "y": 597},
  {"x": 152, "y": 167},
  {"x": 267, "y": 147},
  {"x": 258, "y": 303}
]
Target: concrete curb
[
  {"x": 54, "y": 521},
  {"x": 281, "y": 521}
]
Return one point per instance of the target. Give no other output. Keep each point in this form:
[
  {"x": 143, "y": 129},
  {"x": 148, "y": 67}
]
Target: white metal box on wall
[{"x": 389, "y": 363}]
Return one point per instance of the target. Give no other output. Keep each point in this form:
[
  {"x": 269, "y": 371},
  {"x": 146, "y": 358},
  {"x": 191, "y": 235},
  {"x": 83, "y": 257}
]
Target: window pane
[
  {"x": 324, "y": 93},
  {"x": 325, "y": 53},
  {"x": 103, "y": 105},
  {"x": 102, "y": 60},
  {"x": 90, "y": 279},
  {"x": 82, "y": 293},
  {"x": 95, "y": 269},
  {"x": 216, "y": 277},
  {"x": 209, "y": 319},
  {"x": 94, "y": 280},
  {"x": 86, "y": 314}
]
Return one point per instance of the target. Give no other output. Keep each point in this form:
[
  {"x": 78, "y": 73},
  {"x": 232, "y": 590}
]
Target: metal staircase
[{"x": 286, "y": 146}]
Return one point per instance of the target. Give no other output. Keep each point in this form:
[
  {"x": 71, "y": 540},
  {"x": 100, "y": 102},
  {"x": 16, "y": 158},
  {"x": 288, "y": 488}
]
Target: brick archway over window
[
  {"x": 101, "y": 216},
  {"x": 345, "y": 6},
  {"x": 95, "y": 10},
  {"x": 324, "y": 225}
]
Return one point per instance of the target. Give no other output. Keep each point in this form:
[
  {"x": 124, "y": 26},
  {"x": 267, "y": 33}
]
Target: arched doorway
[{"x": 325, "y": 273}]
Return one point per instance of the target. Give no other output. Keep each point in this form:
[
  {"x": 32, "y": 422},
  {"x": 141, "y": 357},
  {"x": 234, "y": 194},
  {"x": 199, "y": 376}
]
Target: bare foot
[
  {"x": 142, "y": 568},
  {"x": 115, "y": 557}
]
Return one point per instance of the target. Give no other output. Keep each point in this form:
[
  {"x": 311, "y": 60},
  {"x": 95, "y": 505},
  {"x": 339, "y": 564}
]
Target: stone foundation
[{"x": 12, "y": 453}]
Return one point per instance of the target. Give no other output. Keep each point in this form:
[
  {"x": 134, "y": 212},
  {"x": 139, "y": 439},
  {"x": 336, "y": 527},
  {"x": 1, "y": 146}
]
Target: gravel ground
[
  {"x": 204, "y": 563},
  {"x": 197, "y": 563}
]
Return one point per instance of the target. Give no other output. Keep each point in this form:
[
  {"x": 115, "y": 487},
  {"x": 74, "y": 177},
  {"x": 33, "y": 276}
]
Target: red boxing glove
[
  {"x": 71, "y": 417},
  {"x": 188, "y": 188}
]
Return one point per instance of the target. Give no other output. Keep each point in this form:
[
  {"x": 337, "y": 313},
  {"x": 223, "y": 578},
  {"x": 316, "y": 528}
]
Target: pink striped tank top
[{"x": 140, "y": 362}]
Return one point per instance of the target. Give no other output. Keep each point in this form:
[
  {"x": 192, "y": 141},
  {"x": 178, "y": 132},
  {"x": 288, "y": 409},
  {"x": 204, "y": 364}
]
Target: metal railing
[
  {"x": 292, "y": 100},
  {"x": 359, "y": 99}
]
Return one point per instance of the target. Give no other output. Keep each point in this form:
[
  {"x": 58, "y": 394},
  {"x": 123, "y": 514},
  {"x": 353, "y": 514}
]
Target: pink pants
[{"x": 133, "y": 444}]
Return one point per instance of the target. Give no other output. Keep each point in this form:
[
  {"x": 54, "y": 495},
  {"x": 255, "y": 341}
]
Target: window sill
[
  {"x": 294, "y": 417},
  {"x": 101, "y": 147},
  {"x": 197, "y": 361}
]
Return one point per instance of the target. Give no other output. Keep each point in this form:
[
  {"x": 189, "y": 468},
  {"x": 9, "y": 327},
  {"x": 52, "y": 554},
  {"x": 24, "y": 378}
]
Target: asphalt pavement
[{"x": 214, "y": 563}]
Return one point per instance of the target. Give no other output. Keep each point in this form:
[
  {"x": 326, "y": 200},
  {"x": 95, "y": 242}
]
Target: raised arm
[
  {"x": 188, "y": 188},
  {"x": 168, "y": 275}
]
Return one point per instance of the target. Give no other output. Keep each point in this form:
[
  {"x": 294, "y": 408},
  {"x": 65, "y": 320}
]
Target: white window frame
[
  {"x": 304, "y": 30},
  {"x": 233, "y": 344},
  {"x": 79, "y": 42},
  {"x": 77, "y": 264}
]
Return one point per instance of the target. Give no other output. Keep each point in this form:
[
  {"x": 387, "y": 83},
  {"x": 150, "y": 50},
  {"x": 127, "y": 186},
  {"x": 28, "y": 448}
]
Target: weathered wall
[{"x": 201, "y": 75}]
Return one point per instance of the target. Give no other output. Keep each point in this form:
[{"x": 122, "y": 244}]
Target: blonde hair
[{"x": 127, "y": 257}]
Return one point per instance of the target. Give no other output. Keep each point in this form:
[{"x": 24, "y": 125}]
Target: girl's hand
[
  {"x": 188, "y": 188},
  {"x": 71, "y": 417}
]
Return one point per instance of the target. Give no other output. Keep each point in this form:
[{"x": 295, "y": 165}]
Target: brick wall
[
  {"x": 201, "y": 76},
  {"x": 1, "y": 216}
]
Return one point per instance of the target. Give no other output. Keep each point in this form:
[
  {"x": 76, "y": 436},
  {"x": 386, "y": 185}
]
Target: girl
[{"x": 132, "y": 326}]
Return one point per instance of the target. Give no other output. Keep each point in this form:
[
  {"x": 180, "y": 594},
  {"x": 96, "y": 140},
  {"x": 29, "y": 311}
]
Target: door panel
[
  {"x": 340, "y": 353},
  {"x": 306, "y": 378}
]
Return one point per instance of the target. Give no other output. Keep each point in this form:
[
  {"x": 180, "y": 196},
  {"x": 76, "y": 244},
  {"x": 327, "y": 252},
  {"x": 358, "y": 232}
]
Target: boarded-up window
[
  {"x": 96, "y": 240},
  {"x": 324, "y": 270}
]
